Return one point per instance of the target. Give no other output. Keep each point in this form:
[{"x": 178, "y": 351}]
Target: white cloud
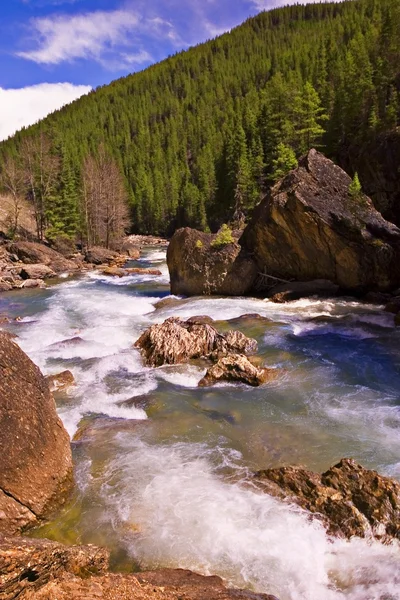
[
  {"x": 22, "y": 107},
  {"x": 67, "y": 37},
  {"x": 268, "y": 4}
]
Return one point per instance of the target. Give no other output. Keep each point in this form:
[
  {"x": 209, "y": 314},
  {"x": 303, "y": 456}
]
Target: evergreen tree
[{"x": 284, "y": 162}]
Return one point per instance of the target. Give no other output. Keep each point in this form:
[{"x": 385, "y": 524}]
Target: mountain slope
[{"x": 198, "y": 135}]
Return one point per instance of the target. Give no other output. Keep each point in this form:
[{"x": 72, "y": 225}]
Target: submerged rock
[
  {"x": 176, "y": 341},
  {"x": 61, "y": 381},
  {"x": 197, "y": 267},
  {"x": 237, "y": 368},
  {"x": 310, "y": 227},
  {"x": 350, "y": 500},
  {"x": 36, "y": 462},
  {"x": 295, "y": 290}
]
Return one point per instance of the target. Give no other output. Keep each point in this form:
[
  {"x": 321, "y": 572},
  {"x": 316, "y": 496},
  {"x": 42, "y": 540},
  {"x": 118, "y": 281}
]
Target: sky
[{"x": 53, "y": 51}]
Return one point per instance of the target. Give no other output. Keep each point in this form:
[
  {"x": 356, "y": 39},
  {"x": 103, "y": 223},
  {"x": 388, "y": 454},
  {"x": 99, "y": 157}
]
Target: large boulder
[
  {"x": 36, "y": 462},
  {"x": 197, "y": 266},
  {"x": 101, "y": 256},
  {"x": 32, "y": 253},
  {"x": 310, "y": 227},
  {"x": 350, "y": 500},
  {"x": 176, "y": 341},
  {"x": 36, "y": 272}
]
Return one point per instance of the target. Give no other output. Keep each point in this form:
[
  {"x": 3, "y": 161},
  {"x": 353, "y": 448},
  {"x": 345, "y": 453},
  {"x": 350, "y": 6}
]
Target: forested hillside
[{"x": 199, "y": 136}]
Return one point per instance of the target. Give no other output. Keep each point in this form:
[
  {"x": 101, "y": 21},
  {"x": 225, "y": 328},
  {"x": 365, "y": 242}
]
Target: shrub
[
  {"x": 199, "y": 244},
  {"x": 355, "y": 190},
  {"x": 223, "y": 238}
]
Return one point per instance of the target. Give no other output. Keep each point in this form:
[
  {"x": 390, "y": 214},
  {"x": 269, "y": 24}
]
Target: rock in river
[
  {"x": 350, "y": 500},
  {"x": 176, "y": 341},
  {"x": 36, "y": 463},
  {"x": 197, "y": 267},
  {"x": 237, "y": 368},
  {"x": 310, "y": 227}
]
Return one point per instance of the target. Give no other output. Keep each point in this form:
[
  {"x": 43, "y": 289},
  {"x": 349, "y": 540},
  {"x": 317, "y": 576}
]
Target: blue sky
[{"x": 53, "y": 51}]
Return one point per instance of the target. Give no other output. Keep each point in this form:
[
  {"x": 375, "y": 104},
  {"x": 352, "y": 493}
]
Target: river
[{"x": 163, "y": 468}]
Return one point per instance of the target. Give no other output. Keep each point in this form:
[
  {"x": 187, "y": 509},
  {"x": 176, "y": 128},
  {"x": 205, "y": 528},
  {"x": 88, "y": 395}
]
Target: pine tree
[
  {"x": 308, "y": 115},
  {"x": 284, "y": 162}
]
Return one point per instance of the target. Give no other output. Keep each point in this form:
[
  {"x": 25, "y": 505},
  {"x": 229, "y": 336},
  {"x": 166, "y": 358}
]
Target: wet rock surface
[
  {"x": 348, "y": 499},
  {"x": 237, "y": 368},
  {"x": 60, "y": 381},
  {"x": 310, "y": 227},
  {"x": 36, "y": 463},
  {"x": 37, "y": 272},
  {"x": 121, "y": 272},
  {"x": 176, "y": 341},
  {"x": 197, "y": 267}
]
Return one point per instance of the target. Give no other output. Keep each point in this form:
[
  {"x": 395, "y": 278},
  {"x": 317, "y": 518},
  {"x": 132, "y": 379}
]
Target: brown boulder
[
  {"x": 350, "y": 500},
  {"x": 237, "y": 368},
  {"x": 309, "y": 227},
  {"x": 176, "y": 341},
  {"x": 31, "y": 253},
  {"x": 26, "y": 565},
  {"x": 120, "y": 272},
  {"x": 36, "y": 272},
  {"x": 61, "y": 381},
  {"x": 5, "y": 286},
  {"x": 101, "y": 256},
  {"x": 36, "y": 462},
  {"x": 196, "y": 267}
]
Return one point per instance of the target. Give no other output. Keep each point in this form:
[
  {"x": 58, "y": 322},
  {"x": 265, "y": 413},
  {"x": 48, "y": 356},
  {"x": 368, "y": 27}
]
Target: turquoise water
[{"x": 163, "y": 467}]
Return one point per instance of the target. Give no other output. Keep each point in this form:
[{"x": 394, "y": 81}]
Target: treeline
[{"x": 199, "y": 136}]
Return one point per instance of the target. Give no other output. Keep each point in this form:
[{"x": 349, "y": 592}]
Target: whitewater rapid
[{"x": 168, "y": 483}]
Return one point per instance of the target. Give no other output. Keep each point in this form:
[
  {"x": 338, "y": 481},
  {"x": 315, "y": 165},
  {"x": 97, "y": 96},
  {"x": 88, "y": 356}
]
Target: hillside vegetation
[{"x": 199, "y": 136}]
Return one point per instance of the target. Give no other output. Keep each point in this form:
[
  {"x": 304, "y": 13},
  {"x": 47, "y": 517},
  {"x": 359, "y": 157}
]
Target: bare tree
[
  {"x": 104, "y": 199},
  {"x": 41, "y": 170},
  {"x": 12, "y": 182}
]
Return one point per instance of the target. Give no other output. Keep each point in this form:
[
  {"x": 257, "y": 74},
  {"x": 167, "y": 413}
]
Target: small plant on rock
[
  {"x": 223, "y": 238},
  {"x": 355, "y": 189},
  {"x": 199, "y": 244}
]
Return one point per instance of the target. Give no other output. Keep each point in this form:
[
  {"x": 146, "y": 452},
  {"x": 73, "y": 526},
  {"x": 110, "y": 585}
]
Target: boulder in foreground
[
  {"x": 350, "y": 500},
  {"x": 36, "y": 462},
  {"x": 33, "y": 569},
  {"x": 311, "y": 227}
]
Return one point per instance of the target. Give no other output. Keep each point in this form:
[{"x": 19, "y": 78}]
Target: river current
[{"x": 163, "y": 467}]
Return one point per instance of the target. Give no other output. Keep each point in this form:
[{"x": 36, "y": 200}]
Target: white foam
[
  {"x": 182, "y": 375},
  {"x": 187, "y": 516}
]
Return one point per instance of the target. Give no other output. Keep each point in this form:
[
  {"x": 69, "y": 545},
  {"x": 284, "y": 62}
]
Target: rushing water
[{"x": 163, "y": 466}]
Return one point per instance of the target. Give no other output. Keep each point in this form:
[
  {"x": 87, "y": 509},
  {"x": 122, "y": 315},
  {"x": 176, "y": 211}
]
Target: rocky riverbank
[{"x": 26, "y": 265}]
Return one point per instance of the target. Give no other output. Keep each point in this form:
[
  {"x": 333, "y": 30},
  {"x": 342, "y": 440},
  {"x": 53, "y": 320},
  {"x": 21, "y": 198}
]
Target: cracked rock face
[
  {"x": 310, "y": 227},
  {"x": 196, "y": 267},
  {"x": 36, "y": 462}
]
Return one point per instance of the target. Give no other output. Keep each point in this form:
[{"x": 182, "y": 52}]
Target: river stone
[
  {"x": 350, "y": 500},
  {"x": 36, "y": 462},
  {"x": 101, "y": 256},
  {"x": 176, "y": 341},
  {"x": 309, "y": 227},
  {"x": 237, "y": 368},
  {"x": 295, "y": 290},
  {"x": 32, "y": 253},
  {"x": 26, "y": 564},
  {"x": 36, "y": 272},
  {"x": 196, "y": 267},
  {"x": 60, "y": 381}
]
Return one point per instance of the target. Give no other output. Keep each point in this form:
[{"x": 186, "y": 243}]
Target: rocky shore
[{"x": 26, "y": 264}]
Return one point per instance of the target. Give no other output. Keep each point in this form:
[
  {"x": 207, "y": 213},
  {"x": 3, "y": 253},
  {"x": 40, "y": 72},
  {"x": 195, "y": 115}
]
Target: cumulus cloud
[
  {"x": 62, "y": 38},
  {"x": 22, "y": 107}
]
